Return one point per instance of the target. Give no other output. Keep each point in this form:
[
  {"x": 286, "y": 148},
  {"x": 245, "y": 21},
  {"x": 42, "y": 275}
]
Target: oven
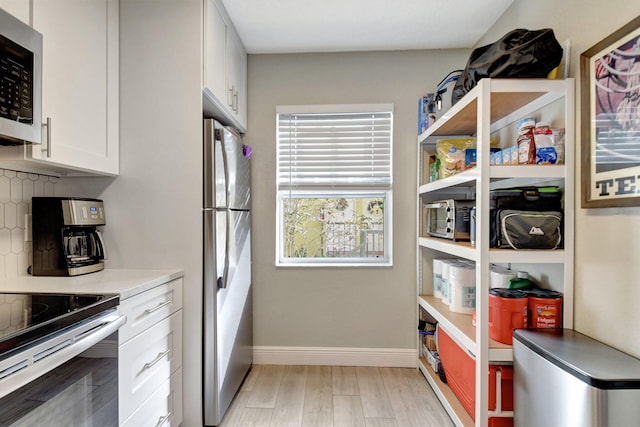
[{"x": 59, "y": 360}]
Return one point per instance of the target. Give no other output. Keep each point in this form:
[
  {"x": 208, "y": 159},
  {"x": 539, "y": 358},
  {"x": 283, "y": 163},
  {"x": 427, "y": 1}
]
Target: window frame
[{"x": 362, "y": 191}]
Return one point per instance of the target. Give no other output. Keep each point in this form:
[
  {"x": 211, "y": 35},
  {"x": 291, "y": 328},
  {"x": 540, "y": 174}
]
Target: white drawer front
[
  {"x": 163, "y": 408},
  {"x": 147, "y": 308},
  {"x": 148, "y": 360}
]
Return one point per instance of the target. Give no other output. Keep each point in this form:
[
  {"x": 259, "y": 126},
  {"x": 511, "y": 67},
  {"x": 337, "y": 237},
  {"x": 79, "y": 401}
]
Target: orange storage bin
[{"x": 459, "y": 368}]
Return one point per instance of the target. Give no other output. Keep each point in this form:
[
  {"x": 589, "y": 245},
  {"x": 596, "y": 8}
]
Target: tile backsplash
[{"x": 16, "y": 191}]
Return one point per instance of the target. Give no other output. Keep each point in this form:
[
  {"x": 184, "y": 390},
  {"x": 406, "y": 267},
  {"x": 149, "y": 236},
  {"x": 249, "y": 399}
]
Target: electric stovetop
[{"x": 27, "y": 317}]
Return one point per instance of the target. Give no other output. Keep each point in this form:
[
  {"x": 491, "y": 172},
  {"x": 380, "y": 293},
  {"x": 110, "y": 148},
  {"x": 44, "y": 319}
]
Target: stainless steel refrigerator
[{"x": 228, "y": 320}]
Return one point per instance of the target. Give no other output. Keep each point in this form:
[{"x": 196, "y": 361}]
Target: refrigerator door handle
[
  {"x": 223, "y": 280},
  {"x": 225, "y": 164}
]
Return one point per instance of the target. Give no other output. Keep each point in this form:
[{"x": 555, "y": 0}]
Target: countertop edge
[
  {"x": 150, "y": 284},
  {"x": 126, "y": 283}
]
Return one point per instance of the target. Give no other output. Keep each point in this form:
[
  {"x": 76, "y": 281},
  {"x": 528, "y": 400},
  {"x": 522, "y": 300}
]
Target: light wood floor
[{"x": 314, "y": 396}]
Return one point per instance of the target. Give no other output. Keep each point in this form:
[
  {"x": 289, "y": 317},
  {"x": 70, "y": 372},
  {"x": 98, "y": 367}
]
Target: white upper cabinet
[
  {"x": 225, "y": 68},
  {"x": 215, "y": 51},
  {"x": 237, "y": 77},
  {"x": 18, "y": 8},
  {"x": 79, "y": 89}
]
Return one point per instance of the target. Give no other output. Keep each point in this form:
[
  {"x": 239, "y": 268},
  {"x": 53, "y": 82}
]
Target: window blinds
[{"x": 336, "y": 149}]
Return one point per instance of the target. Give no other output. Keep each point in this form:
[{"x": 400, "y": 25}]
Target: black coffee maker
[{"x": 66, "y": 239}]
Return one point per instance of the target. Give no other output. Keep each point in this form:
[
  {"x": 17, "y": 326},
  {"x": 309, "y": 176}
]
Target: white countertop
[{"x": 125, "y": 283}]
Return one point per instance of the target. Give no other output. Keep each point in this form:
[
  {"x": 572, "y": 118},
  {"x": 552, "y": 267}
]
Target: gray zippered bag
[{"x": 529, "y": 229}]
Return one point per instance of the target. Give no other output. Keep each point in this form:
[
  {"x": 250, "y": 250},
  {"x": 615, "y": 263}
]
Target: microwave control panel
[{"x": 16, "y": 82}]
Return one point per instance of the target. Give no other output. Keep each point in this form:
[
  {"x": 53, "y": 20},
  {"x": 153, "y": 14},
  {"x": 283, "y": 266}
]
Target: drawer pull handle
[
  {"x": 157, "y": 359},
  {"x": 157, "y": 307},
  {"x": 164, "y": 419}
]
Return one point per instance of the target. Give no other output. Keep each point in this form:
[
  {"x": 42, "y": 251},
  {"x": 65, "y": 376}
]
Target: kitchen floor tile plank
[
  {"x": 375, "y": 401},
  {"x": 426, "y": 398},
  {"x": 408, "y": 410},
  {"x": 344, "y": 381},
  {"x": 251, "y": 378},
  {"x": 381, "y": 422},
  {"x": 234, "y": 414},
  {"x": 318, "y": 399},
  {"x": 255, "y": 417},
  {"x": 347, "y": 411},
  {"x": 290, "y": 402},
  {"x": 265, "y": 389}
]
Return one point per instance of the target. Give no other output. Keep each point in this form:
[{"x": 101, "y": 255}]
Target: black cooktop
[{"x": 27, "y": 317}]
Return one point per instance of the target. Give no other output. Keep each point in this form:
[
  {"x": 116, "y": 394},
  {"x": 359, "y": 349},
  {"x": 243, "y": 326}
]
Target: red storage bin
[
  {"x": 459, "y": 368},
  {"x": 501, "y": 422}
]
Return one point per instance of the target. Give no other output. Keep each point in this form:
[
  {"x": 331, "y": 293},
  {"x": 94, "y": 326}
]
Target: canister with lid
[
  {"x": 507, "y": 311},
  {"x": 545, "y": 308}
]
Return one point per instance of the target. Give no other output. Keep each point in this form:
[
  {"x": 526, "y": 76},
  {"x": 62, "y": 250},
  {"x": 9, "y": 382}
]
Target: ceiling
[{"x": 286, "y": 26}]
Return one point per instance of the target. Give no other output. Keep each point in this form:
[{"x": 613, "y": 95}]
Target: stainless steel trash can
[{"x": 564, "y": 378}]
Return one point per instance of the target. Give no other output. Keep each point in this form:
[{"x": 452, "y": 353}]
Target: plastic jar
[
  {"x": 546, "y": 153},
  {"x": 521, "y": 281},
  {"x": 507, "y": 311}
]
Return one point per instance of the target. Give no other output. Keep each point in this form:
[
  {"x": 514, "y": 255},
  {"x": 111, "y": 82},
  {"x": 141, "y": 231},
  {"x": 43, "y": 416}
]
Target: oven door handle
[{"x": 104, "y": 327}]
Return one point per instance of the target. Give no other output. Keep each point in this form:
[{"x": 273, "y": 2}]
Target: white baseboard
[{"x": 335, "y": 356}]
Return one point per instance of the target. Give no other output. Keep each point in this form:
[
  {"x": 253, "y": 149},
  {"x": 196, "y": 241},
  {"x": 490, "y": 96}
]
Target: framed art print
[{"x": 610, "y": 120}]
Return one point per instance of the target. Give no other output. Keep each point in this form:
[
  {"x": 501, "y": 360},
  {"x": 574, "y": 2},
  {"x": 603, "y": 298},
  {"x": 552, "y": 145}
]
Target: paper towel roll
[
  {"x": 437, "y": 278},
  {"x": 446, "y": 267},
  {"x": 462, "y": 288},
  {"x": 499, "y": 276}
]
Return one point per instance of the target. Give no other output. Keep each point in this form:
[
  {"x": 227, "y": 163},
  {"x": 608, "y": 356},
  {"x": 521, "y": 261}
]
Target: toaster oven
[{"x": 449, "y": 219}]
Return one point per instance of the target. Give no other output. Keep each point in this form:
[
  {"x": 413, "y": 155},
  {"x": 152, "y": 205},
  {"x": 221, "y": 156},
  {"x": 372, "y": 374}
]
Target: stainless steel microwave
[
  {"x": 449, "y": 219},
  {"x": 20, "y": 82}
]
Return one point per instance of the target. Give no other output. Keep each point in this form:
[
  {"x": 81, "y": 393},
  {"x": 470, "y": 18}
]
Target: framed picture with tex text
[{"x": 610, "y": 120}]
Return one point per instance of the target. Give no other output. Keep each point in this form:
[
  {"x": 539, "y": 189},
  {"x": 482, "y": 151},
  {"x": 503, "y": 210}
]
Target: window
[{"x": 334, "y": 184}]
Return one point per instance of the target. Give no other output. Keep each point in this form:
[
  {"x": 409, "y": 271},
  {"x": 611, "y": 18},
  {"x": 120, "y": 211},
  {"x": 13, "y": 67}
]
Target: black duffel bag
[
  {"x": 526, "y": 218},
  {"x": 518, "y": 54}
]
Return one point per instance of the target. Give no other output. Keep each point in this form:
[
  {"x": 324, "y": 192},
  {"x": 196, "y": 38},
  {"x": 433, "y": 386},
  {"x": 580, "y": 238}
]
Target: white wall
[
  {"x": 339, "y": 307},
  {"x": 153, "y": 208},
  {"x": 607, "y": 240}
]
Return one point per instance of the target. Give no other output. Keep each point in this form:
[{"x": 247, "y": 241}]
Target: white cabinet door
[
  {"x": 237, "y": 77},
  {"x": 215, "y": 45},
  {"x": 80, "y": 84},
  {"x": 148, "y": 308},
  {"x": 225, "y": 68},
  {"x": 147, "y": 361},
  {"x": 163, "y": 408}
]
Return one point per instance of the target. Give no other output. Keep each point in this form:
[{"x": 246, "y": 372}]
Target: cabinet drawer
[
  {"x": 147, "y": 360},
  {"x": 163, "y": 408},
  {"x": 145, "y": 309}
]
